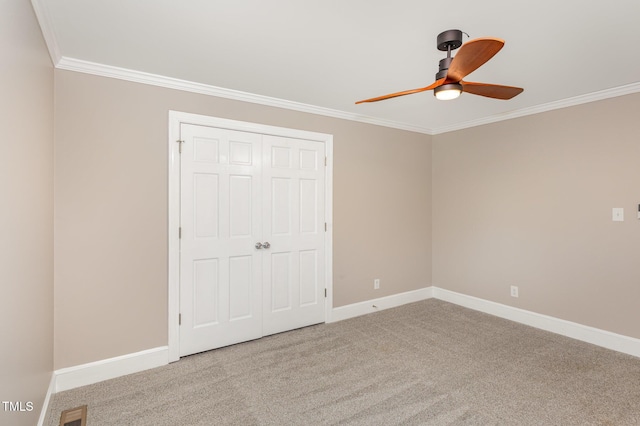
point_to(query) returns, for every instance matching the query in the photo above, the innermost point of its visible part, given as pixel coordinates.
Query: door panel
(206, 198)
(308, 277)
(220, 282)
(308, 206)
(280, 281)
(241, 284)
(281, 211)
(240, 206)
(205, 294)
(293, 204)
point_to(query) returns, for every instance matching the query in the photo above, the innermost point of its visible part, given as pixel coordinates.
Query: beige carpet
(427, 363)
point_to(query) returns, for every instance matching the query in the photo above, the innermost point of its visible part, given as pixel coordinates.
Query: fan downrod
(447, 41)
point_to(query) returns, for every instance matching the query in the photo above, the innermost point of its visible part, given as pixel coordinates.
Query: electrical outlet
(617, 214)
(376, 284)
(514, 291)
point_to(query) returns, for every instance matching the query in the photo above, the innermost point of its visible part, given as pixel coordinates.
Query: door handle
(258, 246)
(266, 244)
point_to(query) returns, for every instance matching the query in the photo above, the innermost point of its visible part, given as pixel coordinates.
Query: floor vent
(74, 417)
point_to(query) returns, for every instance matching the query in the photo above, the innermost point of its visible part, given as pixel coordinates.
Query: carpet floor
(425, 363)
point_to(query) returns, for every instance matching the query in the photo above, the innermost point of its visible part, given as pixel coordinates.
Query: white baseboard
(93, 372)
(45, 404)
(595, 336)
(374, 305)
(86, 374)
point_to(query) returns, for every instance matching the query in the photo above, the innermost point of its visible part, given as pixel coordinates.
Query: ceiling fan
(449, 83)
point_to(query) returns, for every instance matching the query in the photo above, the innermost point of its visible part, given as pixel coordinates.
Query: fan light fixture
(446, 92)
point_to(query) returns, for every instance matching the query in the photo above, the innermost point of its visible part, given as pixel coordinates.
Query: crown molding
(109, 71)
(563, 103)
(71, 64)
(44, 20)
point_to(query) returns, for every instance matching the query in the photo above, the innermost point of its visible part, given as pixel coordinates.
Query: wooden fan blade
(471, 56)
(495, 91)
(435, 84)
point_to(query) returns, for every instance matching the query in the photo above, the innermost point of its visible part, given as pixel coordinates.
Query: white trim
(175, 119)
(382, 303)
(605, 339)
(45, 404)
(173, 249)
(86, 374)
(46, 26)
(78, 65)
(550, 106)
(109, 71)
(93, 372)
(328, 236)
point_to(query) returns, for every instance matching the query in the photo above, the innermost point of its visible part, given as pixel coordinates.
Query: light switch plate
(618, 214)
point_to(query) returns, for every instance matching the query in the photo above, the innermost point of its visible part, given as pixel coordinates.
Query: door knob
(258, 246)
(266, 244)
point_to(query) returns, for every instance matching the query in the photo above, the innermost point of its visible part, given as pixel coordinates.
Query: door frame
(176, 118)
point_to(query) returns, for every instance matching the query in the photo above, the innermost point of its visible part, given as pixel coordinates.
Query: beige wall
(527, 202)
(26, 215)
(111, 209)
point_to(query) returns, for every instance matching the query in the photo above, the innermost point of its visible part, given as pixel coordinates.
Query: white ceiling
(331, 53)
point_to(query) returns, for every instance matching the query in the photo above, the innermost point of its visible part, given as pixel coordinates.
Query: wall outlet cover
(617, 214)
(514, 291)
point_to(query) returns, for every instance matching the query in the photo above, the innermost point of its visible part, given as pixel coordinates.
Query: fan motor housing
(443, 66)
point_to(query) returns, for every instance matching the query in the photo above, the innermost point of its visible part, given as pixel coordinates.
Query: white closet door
(293, 203)
(220, 271)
